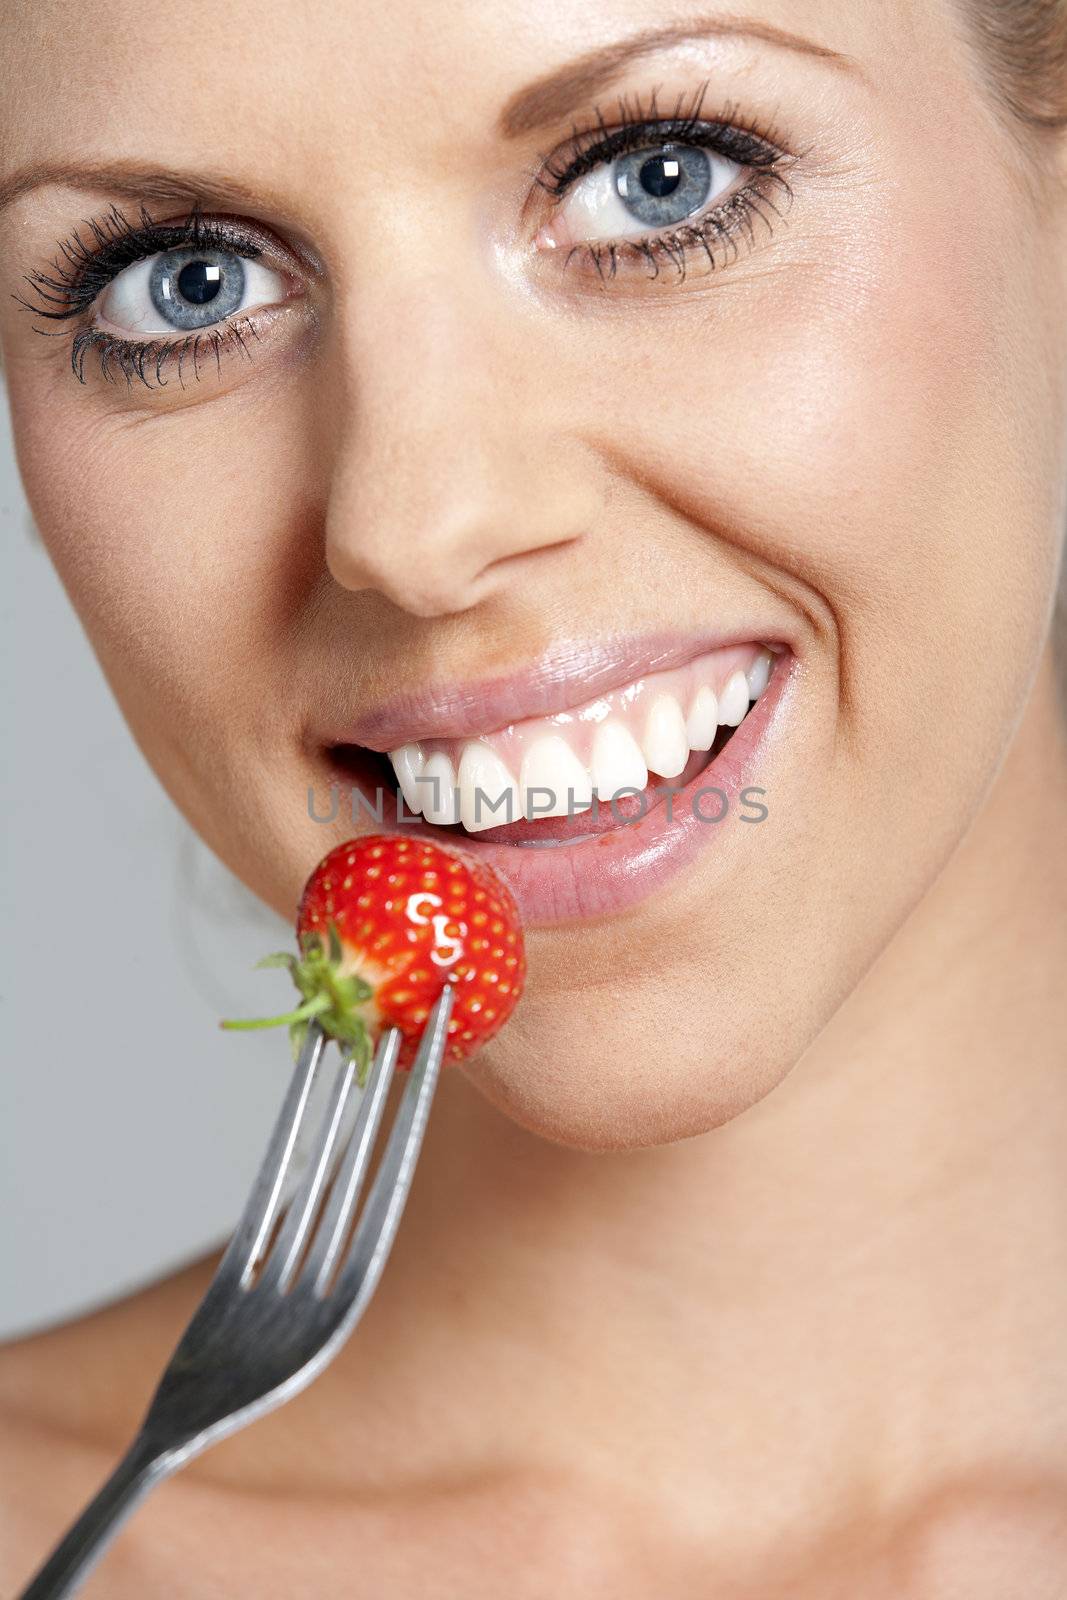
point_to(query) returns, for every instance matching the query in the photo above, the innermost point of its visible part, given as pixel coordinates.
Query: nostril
(427, 577)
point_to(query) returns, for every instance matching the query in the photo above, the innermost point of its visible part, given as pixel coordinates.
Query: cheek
(876, 423)
(879, 435)
(188, 545)
(179, 541)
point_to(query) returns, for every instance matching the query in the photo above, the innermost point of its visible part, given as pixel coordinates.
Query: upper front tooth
(496, 801)
(733, 702)
(665, 743)
(408, 761)
(702, 724)
(439, 799)
(617, 762)
(550, 763)
(758, 673)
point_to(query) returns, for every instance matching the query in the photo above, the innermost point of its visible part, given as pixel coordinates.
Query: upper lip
(566, 676)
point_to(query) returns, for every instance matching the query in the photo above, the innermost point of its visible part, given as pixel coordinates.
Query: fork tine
(353, 1169)
(377, 1226)
(282, 1259)
(261, 1207)
(243, 1354)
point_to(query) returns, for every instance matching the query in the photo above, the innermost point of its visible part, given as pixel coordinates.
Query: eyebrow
(558, 93)
(133, 180)
(539, 105)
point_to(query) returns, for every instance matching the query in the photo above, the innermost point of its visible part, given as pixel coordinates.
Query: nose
(448, 463)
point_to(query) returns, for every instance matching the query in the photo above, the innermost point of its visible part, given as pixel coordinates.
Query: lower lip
(623, 865)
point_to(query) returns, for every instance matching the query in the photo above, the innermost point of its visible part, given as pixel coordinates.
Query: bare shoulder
(195, 1539)
(51, 1467)
(189, 1540)
(995, 1535)
(41, 1480)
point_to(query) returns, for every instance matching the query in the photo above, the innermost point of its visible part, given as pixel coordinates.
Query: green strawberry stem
(333, 997)
(321, 1002)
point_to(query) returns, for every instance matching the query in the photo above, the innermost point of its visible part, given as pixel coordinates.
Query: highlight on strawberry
(384, 922)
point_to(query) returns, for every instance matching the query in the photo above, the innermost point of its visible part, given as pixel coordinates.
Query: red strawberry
(401, 917)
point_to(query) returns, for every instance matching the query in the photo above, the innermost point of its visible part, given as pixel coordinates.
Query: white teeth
(665, 744)
(617, 762)
(486, 795)
(408, 762)
(733, 702)
(497, 803)
(758, 673)
(702, 724)
(439, 799)
(550, 763)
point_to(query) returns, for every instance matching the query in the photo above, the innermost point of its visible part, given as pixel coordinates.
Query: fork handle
(70, 1563)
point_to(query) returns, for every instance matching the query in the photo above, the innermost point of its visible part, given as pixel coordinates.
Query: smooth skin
(774, 1310)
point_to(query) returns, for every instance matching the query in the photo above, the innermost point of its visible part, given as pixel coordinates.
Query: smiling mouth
(568, 777)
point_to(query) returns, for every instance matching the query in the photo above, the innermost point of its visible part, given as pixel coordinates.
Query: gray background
(128, 1134)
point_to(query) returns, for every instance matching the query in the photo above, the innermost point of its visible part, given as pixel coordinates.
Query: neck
(764, 1320)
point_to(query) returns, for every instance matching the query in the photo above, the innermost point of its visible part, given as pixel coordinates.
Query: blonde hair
(1022, 45)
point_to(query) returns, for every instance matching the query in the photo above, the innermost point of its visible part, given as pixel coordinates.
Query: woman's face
(437, 472)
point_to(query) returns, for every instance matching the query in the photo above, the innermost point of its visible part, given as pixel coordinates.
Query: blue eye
(182, 290)
(644, 191)
(155, 292)
(654, 188)
(664, 187)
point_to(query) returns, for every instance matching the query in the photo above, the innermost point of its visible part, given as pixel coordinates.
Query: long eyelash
(132, 356)
(85, 271)
(638, 126)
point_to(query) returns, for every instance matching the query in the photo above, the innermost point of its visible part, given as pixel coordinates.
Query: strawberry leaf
(281, 958)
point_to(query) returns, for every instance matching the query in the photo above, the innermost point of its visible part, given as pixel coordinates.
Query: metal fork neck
(140, 1469)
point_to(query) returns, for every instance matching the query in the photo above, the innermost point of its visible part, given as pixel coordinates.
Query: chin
(611, 1111)
(613, 896)
(576, 1077)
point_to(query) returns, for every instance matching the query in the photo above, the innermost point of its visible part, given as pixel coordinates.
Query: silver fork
(260, 1336)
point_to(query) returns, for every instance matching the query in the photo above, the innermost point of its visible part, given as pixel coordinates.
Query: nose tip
(427, 576)
(450, 463)
(441, 529)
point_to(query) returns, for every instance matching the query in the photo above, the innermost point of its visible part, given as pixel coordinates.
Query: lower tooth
(551, 844)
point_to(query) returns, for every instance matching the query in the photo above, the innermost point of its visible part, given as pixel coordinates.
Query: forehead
(298, 84)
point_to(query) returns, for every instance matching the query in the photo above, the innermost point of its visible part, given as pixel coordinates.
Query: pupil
(661, 175)
(199, 281)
